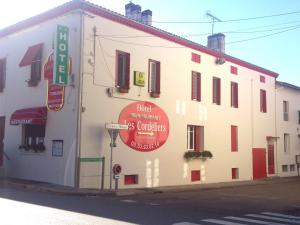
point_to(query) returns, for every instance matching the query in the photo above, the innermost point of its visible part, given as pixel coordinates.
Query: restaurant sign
(148, 126)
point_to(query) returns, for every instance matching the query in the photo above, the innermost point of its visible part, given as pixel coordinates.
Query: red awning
(36, 116)
(31, 53)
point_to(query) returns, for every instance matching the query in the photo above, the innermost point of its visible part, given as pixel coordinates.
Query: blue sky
(278, 53)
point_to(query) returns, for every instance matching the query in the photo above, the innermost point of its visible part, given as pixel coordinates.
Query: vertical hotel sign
(61, 56)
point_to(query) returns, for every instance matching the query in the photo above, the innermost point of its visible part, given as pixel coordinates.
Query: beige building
(177, 97)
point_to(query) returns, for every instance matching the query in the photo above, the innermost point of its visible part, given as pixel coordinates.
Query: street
(274, 203)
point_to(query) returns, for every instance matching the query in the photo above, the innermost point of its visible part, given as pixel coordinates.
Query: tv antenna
(213, 20)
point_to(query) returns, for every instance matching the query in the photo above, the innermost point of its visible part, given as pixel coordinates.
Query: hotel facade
(188, 114)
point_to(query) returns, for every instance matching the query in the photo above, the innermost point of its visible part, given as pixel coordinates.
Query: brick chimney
(133, 11)
(216, 42)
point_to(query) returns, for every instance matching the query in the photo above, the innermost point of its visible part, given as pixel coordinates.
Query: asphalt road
(232, 206)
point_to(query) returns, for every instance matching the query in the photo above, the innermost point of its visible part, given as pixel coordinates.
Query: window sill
(154, 94)
(32, 83)
(123, 90)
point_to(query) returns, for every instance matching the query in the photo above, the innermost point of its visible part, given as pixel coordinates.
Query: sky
(277, 51)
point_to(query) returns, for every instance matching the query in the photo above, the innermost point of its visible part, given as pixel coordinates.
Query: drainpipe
(79, 102)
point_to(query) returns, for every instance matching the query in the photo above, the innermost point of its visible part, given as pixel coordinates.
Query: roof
(287, 85)
(108, 14)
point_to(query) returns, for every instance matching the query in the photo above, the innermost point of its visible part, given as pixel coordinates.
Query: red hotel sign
(55, 93)
(148, 126)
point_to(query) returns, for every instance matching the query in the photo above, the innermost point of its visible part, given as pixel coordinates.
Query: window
(298, 117)
(234, 138)
(131, 179)
(262, 79)
(196, 58)
(33, 57)
(263, 101)
(217, 90)
(154, 78)
(33, 135)
(285, 110)
(233, 70)
(234, 95)
(235, 173)
(195, 138)
(36, 70)
(286, 140)
(123, 71)
(284, 168)
(292, 167)
(195, 175)
(196, 86)
(2, 74)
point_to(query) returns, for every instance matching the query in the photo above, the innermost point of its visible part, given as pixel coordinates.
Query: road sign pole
(111, 161)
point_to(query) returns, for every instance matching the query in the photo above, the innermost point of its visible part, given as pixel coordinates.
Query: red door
(2, 124)
(259, 163)
(271, 167)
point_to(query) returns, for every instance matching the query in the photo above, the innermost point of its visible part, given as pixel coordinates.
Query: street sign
(116, 126)
(113, 133)
(117, 169)
(61, 56)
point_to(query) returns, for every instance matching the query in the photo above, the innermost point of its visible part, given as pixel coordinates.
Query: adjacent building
(69, 75)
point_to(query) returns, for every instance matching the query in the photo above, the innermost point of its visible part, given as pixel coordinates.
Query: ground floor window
(33, 137)
(284, 168)
(195, 175)
(131, 179)
(235, 173)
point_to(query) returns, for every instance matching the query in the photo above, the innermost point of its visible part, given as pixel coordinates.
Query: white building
(176, 96)
(288, 128)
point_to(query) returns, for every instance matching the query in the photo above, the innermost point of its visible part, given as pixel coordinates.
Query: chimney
(147, 17)
(216, 42)
(133, 11)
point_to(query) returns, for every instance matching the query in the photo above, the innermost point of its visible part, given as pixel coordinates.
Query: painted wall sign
(61, 55)
(139, 79)
(148, 126)
(55, 93)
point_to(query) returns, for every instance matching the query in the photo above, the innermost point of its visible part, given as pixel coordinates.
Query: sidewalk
(63, 190)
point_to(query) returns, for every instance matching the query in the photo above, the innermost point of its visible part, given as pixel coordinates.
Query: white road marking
(252, 220)
(186, 223)
(282, 215)
(274, 218)
(221, 222)
(128, 201)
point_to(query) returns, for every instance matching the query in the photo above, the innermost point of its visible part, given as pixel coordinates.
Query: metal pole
(103, 173)
(111, 161)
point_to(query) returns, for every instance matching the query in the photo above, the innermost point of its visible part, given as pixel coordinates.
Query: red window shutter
(236, 92)
(197, 138)
(219, 91)
(193, 85)
(199, 87)
(127, 74)
(158, 77)
(263, 101)
(196, 58)
(234, 146)
(195, 175)
(262, 79)
(234, 173)
(130, 179)
(234, 70)
(2, 74)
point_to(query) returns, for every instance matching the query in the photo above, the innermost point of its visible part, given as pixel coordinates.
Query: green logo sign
(61, 56)
(139, 79)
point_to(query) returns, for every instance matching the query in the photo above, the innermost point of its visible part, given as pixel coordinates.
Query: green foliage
(197, 155)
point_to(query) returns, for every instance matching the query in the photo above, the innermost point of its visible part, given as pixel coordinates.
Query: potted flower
(188, 155)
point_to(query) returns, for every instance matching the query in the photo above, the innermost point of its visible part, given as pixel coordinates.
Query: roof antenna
(213, 20)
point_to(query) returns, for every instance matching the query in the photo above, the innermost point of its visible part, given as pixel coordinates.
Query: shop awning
(37, 116)
(31, 53)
